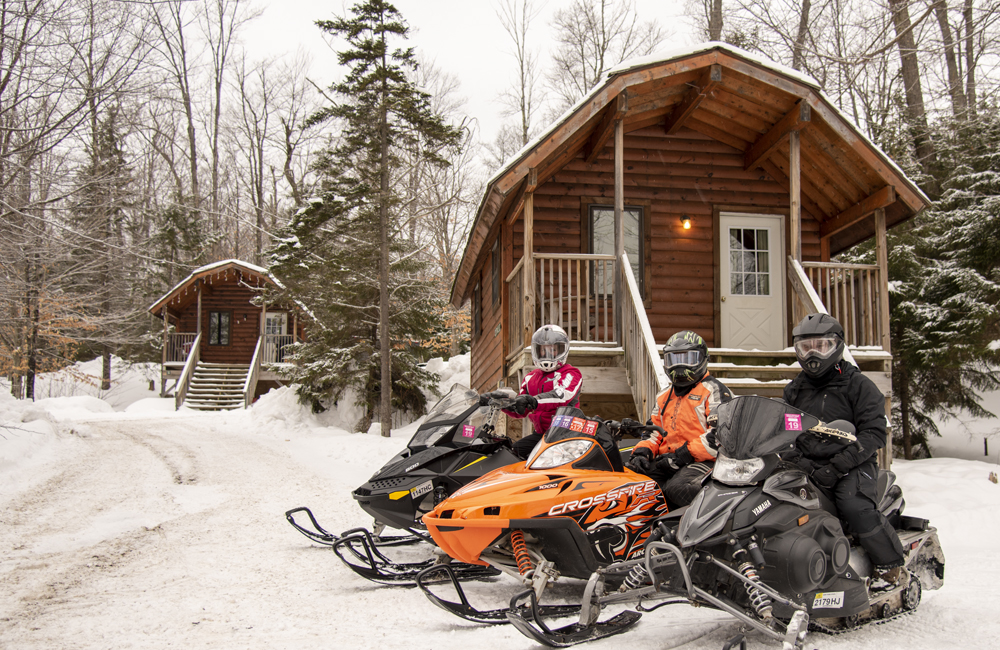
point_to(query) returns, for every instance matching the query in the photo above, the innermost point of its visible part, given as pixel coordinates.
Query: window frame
(229, 327)
(495, 269)
(588, 203)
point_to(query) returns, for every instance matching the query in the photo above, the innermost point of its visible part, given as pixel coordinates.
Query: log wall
(684, 175)
(487, 347)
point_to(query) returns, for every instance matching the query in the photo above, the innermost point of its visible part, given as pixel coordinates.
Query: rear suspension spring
(760, 601)
(520, 552)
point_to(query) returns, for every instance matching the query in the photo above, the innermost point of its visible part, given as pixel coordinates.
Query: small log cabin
(707, 190)
(220, 349)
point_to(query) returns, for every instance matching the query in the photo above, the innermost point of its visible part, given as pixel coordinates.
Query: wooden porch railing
(643, 367)
(274, 347)
(575, 292)
(250, 385)
(193, 357)
(850, 293)
(178, 346)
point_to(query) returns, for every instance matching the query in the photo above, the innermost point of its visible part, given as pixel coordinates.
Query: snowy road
(169, 533)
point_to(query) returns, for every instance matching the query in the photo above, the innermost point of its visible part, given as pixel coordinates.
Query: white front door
(275, 323)
(752, 301)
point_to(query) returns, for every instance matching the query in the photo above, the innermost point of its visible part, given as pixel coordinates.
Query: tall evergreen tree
(329, 259)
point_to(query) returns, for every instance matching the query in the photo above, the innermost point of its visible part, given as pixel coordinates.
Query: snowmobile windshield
(752, 427)
(569, 422)
(456, 402)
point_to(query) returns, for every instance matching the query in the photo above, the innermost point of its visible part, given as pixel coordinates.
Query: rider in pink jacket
(552, 384)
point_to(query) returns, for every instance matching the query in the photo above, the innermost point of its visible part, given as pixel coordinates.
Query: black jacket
(842, 394)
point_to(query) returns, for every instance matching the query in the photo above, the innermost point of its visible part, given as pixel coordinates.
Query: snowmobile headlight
(561, 453)
(736, 472)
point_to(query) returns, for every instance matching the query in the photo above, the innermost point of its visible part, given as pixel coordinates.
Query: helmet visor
(817, 347)
(549, 350)
(686, 358)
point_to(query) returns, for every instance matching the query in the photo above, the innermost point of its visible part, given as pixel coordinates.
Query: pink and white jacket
(552, 390)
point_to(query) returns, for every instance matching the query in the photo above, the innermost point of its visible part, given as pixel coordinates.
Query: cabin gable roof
(180, 295)
(737, 98)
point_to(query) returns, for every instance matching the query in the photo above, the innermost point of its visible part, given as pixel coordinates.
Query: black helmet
(685, 358)
(819, 344)
(549, 347)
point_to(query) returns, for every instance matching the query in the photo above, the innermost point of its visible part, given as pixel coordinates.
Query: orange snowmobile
(568, 510)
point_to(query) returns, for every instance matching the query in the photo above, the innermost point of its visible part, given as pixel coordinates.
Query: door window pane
(749, 266)
(602, 242)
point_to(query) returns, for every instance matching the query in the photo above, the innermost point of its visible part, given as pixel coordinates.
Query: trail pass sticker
(468, 431)
(793, 422)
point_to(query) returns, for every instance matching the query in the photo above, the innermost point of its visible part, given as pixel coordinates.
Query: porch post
(163, 364)
(295, 326)
(882, 259)
(795, 209)
(197, 286)
(619, 222)
(529, 259)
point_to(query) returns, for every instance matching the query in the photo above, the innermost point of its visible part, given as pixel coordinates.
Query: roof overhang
(661, 87)
(209, 270)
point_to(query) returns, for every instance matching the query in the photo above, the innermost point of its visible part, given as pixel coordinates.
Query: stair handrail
(193, 357)
(643, 368)
(806, 293)
(250, 385)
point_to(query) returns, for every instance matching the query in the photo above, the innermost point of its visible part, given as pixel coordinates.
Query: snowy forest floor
(154, 529)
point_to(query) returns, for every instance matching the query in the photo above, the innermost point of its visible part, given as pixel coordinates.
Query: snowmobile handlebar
(627, 425)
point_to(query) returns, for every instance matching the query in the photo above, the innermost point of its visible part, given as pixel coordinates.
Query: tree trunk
(385, 410)
(970, 59)
(916, 113)
(715, 21)
(798, 52)
(958, 105)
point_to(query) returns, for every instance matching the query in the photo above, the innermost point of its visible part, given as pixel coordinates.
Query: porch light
(686, 222)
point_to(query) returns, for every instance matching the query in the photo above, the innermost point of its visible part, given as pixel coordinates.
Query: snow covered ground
(125, 524)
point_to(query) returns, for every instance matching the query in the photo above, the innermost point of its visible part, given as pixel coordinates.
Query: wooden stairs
(217, 387)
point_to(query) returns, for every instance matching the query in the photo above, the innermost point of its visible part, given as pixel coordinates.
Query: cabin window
(496, 272)
(602, 242)
(477, 310)
(219, 323)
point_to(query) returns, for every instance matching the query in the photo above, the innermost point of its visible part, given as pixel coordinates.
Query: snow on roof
(253, 268)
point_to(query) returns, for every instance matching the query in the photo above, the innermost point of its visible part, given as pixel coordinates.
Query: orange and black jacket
(685, 419)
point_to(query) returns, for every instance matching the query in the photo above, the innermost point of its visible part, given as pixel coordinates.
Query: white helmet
(549, 347)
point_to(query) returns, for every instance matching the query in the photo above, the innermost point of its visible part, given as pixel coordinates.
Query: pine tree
(944, 292)
(345, 257)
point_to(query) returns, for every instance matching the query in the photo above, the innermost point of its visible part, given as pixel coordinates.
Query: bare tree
(256, 106)
(591, 37)
(519, 98)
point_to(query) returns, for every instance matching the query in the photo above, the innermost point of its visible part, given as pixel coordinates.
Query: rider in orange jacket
(680, 459)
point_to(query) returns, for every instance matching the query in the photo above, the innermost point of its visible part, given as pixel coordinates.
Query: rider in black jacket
(833, 389)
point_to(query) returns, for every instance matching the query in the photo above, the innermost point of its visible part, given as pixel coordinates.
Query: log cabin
(707, 189)
(220, 349)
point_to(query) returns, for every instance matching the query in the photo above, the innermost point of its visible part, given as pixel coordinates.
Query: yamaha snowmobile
(455, 445)
(568, 510)
(761, 542)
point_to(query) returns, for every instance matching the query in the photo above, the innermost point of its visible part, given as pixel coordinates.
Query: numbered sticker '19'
(468, 431)
(793, 422)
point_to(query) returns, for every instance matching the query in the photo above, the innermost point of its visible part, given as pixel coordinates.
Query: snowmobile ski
(358, 549)
(440, 572)
(568, 635)
(322, 536)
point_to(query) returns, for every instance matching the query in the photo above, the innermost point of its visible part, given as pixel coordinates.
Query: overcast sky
(461, 37)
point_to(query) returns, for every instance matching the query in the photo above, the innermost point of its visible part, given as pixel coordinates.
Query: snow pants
(680, 486)
(855, 496)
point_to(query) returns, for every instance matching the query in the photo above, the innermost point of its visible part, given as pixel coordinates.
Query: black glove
(825, 476)
(524, 404)
(676, 459)
(484, 399)
(807, 465)
(641, 461)
(710, 438)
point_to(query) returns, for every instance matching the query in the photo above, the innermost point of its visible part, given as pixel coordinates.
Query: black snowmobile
(760, 542)
(452, 447)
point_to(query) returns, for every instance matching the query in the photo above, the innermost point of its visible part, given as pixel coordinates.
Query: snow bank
(129, 382)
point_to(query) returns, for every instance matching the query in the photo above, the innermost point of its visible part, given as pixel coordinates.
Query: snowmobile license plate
(828, 600)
